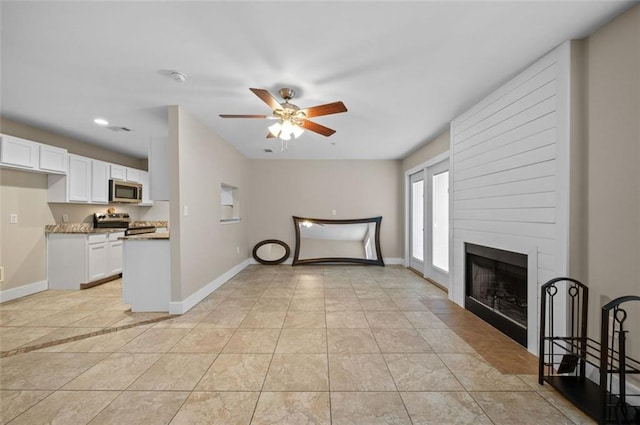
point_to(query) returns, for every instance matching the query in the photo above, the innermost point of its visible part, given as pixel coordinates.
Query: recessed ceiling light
(101, 121)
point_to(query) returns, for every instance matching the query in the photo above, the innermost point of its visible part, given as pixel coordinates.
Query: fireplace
(496, 289)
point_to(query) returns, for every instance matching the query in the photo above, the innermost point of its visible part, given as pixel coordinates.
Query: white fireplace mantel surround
(509, 177)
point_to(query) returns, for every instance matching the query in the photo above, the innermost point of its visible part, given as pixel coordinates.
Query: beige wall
(23, 252)
(613, 185)
(281, 189)
(202, 248)
(74, 146)
(432, 149)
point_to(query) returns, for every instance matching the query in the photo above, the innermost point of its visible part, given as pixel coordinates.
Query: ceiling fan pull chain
(284, 146)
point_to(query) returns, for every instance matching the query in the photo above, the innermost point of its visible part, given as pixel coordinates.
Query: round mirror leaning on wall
(271, 252)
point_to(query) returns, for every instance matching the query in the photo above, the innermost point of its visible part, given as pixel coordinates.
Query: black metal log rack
(595, 376)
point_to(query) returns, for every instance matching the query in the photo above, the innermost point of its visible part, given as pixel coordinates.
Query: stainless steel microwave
(125, 192)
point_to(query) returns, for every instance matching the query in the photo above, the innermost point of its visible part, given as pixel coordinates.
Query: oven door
(125, 192)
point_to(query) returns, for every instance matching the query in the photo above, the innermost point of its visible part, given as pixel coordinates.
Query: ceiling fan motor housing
(287, 93)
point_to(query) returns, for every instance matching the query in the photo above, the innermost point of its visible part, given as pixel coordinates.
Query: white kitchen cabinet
(32, 156)
(115, 253)
(146, 189)
(133, 175)
(75, 260)
(79, 178)
(18, 152)
(118, 172)
(53, 159)
(99, 182)
(159, 169)
(97, 260)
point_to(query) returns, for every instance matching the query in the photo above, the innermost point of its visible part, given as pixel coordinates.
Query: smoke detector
(177, 76)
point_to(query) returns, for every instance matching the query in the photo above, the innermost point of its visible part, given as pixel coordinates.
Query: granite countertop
(155, 223)
(147, 236)
(88, 227)
(77, 228)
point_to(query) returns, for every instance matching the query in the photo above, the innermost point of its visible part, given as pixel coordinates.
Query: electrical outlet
(333, 212)
(65, 218)
(13, 218)
(1, 274)
(237, 250)
(185, 210)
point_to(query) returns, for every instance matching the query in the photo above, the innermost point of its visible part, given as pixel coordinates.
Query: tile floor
(51, 316)
(275, 345)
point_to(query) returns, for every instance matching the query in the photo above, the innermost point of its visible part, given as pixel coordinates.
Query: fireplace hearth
(496, 289)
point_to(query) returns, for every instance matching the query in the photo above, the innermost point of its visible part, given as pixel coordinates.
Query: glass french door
(416, 220)
(429, 222)
(437, 223)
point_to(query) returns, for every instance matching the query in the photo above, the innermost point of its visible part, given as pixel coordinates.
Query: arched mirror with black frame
(337, 241)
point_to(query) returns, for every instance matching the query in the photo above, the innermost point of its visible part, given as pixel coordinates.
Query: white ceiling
(403, 69)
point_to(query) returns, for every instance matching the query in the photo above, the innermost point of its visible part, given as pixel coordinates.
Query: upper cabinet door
(18, 152)
(133, 175)
(99, 182)
(146, 189)
(118, 172)
(79, 178)
(53, 159)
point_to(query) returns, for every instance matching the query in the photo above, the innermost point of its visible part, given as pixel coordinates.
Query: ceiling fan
(292, 120)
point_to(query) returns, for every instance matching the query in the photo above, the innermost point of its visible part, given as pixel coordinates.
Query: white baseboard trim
(23, 291)
(394, 261)
(181, 307)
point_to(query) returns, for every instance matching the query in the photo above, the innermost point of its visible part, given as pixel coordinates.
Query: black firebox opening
(496, 289)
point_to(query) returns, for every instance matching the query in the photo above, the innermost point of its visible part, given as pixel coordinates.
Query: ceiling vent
(178, 76)
(268, 150)
(118, 129)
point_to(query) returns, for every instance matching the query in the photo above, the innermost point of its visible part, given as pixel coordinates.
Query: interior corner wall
(612, 99)
(202, 248)
(437, 146)
(281, 189)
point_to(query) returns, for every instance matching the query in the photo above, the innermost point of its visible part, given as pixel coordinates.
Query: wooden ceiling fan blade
(270, 135)
(267, 98)
(242, 116)
(328, 109)
(317, 128)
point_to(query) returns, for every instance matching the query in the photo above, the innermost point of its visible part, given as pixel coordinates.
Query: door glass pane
(441, 221)
(417, 220)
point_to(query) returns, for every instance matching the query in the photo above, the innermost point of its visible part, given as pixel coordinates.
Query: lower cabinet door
(98, 261)
(115, 257)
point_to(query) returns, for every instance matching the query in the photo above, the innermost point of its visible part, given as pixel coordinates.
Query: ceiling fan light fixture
(287, 127)
(297, 131)
(275, 129)
(285, 136)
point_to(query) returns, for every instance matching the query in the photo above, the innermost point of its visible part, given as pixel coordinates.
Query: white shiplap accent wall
(510, 176)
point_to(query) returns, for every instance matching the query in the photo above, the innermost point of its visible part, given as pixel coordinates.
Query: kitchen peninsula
(146, 272)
